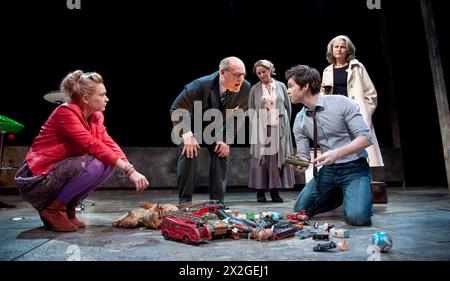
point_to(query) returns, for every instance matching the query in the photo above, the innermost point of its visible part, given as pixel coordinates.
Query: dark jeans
(347, 184)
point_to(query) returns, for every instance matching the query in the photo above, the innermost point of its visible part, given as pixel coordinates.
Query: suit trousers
(187, 173)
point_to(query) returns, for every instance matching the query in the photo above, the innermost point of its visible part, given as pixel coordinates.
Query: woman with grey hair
(271, 140)
(347, 76)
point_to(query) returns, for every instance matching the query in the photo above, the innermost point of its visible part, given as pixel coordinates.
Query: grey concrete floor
(418, 220)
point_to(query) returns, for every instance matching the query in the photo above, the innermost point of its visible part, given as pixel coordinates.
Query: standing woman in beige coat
(347, 76)
(270, 133)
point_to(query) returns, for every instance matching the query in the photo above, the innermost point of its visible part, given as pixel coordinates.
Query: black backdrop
(148, 50)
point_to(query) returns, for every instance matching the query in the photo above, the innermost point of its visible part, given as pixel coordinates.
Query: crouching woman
(72, 155)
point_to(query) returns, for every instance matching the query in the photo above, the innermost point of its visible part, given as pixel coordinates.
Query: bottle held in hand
(327, 89)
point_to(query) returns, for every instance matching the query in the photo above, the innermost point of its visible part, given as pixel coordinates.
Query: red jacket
(67, 134)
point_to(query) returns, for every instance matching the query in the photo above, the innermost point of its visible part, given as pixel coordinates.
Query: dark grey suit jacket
(206, 90)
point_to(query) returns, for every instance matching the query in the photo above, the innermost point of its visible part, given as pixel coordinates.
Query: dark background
(147, 51)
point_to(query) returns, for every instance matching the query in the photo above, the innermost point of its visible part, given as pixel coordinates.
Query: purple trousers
(70, 180)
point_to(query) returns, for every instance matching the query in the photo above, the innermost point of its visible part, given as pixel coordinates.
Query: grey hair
(229, 61)
(265, 63)
(351, 49)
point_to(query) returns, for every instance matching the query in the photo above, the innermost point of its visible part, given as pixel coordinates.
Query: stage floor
(418, 219)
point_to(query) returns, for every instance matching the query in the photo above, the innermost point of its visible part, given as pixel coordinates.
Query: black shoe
(5, 205)
(261, 196)
(275, 196)
(184, 201)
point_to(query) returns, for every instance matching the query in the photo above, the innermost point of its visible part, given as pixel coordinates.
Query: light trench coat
(361, 89)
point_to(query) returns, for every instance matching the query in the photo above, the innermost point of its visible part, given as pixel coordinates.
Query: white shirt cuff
(186, 136)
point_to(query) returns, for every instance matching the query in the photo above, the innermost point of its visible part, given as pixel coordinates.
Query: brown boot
(55, 217)
(71, 214)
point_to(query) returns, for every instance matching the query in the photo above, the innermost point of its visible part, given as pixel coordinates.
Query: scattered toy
(340, 232)
(343, 245)
(382, 240)
(184, 229)
(324, 247)
(327, 226)
(320, 236)
(261, 234)
(151, 217)
(303, 234)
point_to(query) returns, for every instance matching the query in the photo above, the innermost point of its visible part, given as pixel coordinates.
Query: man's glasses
(237, 74)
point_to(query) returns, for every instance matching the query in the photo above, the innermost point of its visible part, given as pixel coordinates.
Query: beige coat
(361, 89)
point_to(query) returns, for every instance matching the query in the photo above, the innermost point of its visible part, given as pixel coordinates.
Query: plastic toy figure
(383, 240)
(343, 245)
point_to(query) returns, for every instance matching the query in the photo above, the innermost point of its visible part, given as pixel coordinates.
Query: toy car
(300, 216)
(282, 230)
(212, 208)
(303, 234)
(219, 229)
(340, 232)
(320, 236)
(190, 231)
(324, 247)
(279, 234)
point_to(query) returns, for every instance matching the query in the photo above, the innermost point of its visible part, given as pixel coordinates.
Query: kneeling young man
(334, 123)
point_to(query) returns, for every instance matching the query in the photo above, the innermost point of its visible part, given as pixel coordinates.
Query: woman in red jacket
(72, 155)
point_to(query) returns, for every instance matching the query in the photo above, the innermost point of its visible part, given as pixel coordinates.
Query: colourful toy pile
(205, 221)
(212, 221)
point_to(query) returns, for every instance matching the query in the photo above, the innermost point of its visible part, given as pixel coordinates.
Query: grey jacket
(284, 128)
